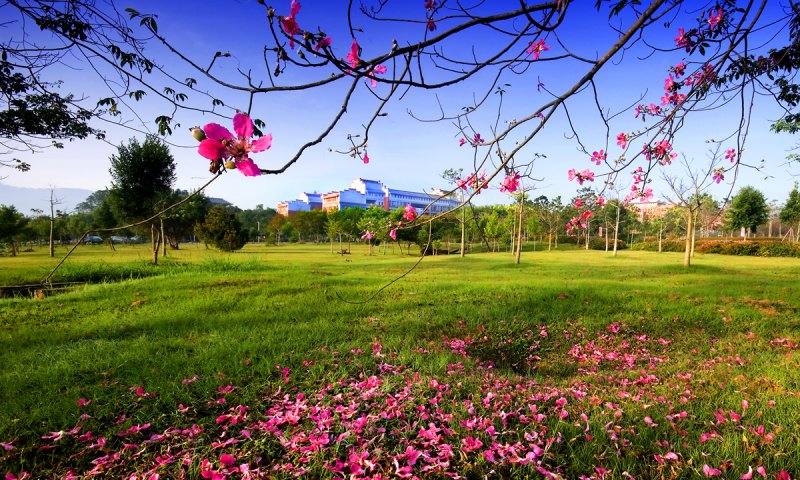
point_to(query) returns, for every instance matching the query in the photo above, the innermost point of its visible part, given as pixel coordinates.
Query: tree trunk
(687, 253)
(163, 238)
(660, 236)
(463, 229)
(616, 233)
(694, 222)
(52, 228)
(156, 242)
(519, 231)
(588, 232)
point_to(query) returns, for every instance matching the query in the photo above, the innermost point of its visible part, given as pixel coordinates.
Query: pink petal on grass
(227, 459)
(262, 143)
(242, 125)
(248, 168)
(211, 149)
(215, 131)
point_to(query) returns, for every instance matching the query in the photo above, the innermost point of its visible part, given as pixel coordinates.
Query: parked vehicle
(119, 239)
(93, 240)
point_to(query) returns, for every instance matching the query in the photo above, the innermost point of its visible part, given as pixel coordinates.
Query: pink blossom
(409, 212)
(470, 444)
(582, 176)
(684, 40)
(352, 55)
(622, 140)
(367, 235)
(536, 48)
(714, 19)
(601, 201)
(748, 475)
(461, 142)
(730, 155)
(378, 70)
(431, 25)
(599, 157)
(220, 143)
(578, 202)
(323, 43)
(365, 158)
(393, 234)
(227, 460)
(510, 183)
(430, 4)
(289, 24)
(679, 69)
(719, 175)
(248, 168)
(711, 472)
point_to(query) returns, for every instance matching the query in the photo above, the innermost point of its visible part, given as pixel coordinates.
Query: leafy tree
(222, 230)
(791, 211)
(33, 111)
(142, 177)
(179, 223)
(275, 226)
(748, 210)
(12, 227)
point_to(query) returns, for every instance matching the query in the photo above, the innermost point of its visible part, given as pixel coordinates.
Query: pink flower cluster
(473, 181)
(585, 175)
(219, 144)
(510, 184)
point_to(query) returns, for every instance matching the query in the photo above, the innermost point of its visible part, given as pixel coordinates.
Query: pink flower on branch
(367, 235)
(585, 175)
(714, 19)
(536, 48)
(352, 55)
(622, 140)
(599, 157)
(289, 24)
(409, 212)
(510, 184)
(377, 70)
(221, 144)
(323, 43)
(719, 175)
(730, 155)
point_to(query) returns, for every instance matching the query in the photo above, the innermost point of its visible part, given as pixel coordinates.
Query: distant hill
(25, 198)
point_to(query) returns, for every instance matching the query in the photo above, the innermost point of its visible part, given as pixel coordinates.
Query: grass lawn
(270, 362)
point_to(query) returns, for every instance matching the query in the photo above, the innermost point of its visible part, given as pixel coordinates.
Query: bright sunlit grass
(628, 342)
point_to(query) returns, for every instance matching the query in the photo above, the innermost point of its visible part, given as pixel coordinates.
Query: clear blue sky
(404, 153)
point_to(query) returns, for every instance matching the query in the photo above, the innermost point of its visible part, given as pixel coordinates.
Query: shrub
(222, 229)
(778, 249)
(729, 247)
(666, 246)
(600, 244)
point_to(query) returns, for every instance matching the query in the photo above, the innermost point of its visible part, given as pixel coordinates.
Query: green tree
(142, 176)
(790, 213)
(222, 230)
(748, 210)
(12, 227)
(179, 223)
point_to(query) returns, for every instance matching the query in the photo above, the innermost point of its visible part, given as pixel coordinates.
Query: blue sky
(404, 152)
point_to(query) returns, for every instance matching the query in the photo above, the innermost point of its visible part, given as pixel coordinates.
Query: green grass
(240, 318)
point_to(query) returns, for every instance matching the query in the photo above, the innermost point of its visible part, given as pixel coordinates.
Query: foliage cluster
(750, 248)
(222, 229)
(666, 246)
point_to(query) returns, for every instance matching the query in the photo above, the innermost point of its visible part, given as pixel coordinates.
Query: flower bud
(230, 165)
(198, 133)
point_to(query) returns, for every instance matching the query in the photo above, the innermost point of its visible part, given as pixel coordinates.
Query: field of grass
(268, 362)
